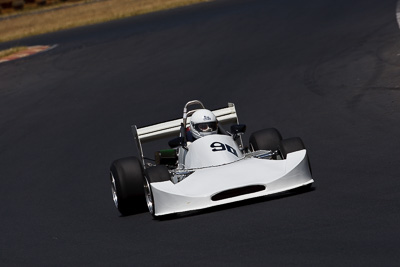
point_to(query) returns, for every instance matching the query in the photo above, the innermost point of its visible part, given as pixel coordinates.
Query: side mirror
(238, 129)
(178, 141)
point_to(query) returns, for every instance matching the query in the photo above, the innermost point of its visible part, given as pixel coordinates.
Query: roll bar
(172, 128)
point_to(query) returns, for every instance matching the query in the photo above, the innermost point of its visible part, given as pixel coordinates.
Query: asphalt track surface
(327, 71)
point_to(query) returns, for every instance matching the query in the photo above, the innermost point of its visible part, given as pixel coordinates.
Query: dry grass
(11, 51)
(78, 15)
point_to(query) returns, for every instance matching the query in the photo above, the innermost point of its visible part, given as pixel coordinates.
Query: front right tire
(126, 177)
(154, 174)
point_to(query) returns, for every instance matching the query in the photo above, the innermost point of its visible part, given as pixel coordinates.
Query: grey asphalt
(324, 70)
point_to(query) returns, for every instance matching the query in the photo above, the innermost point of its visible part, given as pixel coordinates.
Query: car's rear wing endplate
(172, 128)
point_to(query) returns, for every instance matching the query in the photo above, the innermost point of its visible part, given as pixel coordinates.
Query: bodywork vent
(238, 192)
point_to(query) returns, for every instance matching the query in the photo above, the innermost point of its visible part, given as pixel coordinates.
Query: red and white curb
(30, 50)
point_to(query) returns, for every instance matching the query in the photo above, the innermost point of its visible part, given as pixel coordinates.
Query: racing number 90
(217, 146)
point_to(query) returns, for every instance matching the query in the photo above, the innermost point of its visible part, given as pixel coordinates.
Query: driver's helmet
(202, 123)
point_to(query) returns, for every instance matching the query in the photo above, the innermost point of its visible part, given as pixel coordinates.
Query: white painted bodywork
(200, 153)
(216, 164)
(195, 191)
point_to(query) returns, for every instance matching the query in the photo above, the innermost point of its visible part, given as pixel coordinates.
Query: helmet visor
(206, 127)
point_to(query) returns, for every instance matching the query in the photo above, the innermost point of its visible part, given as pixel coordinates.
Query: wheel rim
(114, 190)
(149, 196)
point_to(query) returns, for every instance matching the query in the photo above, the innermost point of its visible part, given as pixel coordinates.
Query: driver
(202, 123)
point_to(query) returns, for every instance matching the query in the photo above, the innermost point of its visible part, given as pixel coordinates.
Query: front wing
(244, 179)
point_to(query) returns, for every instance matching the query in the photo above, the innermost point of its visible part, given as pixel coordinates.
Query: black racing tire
(290, 145)
(154, 174)
(126, 176)
(267, 139)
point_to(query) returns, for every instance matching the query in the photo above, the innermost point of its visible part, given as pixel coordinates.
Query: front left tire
(266, 139)
(291, 145)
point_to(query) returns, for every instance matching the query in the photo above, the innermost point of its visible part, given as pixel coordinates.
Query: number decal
(231, 149)
(217, 146)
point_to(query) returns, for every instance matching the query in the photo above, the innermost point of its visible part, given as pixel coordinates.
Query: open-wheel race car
(206, 165)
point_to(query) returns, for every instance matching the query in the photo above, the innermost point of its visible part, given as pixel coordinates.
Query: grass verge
(88, 12)
(11, 51)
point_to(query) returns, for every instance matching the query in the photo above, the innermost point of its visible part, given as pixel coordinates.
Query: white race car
(213, 170)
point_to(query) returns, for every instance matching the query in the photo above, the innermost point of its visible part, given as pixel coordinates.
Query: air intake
(238, 192)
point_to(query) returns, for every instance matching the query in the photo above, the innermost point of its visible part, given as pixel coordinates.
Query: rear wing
(172, 128)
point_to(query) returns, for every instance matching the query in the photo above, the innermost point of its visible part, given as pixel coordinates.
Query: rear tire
(126, 176)
(154, 174)
(267, 139)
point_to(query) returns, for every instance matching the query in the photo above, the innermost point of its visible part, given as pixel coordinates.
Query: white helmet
(202, 123)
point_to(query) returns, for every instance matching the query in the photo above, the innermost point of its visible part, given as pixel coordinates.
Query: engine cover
(212, 150)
